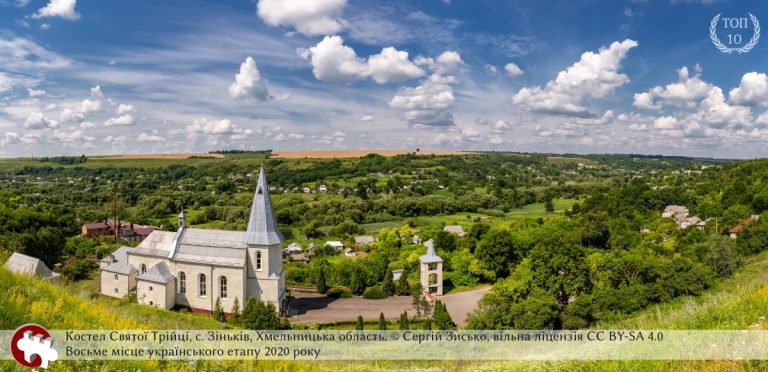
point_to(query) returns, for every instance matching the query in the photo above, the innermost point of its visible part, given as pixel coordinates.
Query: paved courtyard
(317, 308)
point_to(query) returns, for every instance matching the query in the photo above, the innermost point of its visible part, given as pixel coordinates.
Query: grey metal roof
(456, 229)
(120, 268)
(160, 273)
(26, 265)
(157, 244)
(364, 239)
(223, 256)
(213, 238)
(262, 227)
(121, 265)
(430, 257)
(120, 255)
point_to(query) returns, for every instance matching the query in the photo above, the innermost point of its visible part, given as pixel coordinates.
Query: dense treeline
(617, 255)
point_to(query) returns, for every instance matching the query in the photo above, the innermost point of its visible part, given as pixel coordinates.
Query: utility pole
(114, 213)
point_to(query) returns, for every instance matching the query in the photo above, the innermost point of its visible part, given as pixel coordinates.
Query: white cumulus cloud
(144, 137)
(59, 8)
(126, 119)
(249, 83)
(309, 17)
(392, 65)
(124, 109)
(684, 93)
(37, 120)
(752, 91)
(512, 69)
(428, 104)
(331, 60)
(595, 75)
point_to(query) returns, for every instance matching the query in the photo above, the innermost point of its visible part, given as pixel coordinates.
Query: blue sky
(639, 76)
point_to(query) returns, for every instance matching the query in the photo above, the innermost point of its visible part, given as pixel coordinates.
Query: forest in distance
(565, 240)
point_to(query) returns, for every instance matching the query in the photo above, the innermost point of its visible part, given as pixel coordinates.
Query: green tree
(721, 256)
(404, 324)
(356, 284)
(445, 241)
(427, 325)
(359, 324)
(420, 303)
(441, 317)
(218, 311)
(235, 316)
(322, 281)
(388, 285)
(754, 238)
(594, 229)
(259, 316)
(549, 206)
(382, 322)
(403, 288)
(499, 250)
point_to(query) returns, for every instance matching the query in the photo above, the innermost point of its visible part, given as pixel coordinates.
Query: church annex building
(193, 267)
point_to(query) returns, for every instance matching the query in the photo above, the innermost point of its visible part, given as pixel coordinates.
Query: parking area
(317, 308)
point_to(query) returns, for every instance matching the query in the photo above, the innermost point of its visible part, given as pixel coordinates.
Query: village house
(26, 265)
(454, 229)
(396, 274)
(680, 214)
(299, 257)
(364, 240)
(674, 210)
(293, 248)
(127, 231)
(335, 244)
(192, 268)
(349, 252)
(311, 249)
(692, 221)
(323, 189)
(736, 230)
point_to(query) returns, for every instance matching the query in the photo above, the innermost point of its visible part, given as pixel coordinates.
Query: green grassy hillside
(739, 302)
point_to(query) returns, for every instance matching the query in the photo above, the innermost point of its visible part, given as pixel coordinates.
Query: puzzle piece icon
(36, 345)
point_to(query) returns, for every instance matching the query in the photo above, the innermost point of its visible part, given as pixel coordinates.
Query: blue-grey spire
(262, 227)
(431, 256)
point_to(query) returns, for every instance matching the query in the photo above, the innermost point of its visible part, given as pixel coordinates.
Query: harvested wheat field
(328, 154)
(159, 156)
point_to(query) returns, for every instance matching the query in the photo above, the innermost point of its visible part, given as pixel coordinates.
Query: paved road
(461, 304)
(316, 308)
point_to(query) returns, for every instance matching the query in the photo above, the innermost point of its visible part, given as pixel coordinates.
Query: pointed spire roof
(431, 256)
(262, 227)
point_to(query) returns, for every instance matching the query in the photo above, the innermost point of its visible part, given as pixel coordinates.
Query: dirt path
(316, 308)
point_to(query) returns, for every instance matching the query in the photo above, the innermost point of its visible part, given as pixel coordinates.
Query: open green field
(128, 161)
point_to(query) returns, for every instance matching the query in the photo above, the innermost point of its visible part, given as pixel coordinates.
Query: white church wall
(123, 284)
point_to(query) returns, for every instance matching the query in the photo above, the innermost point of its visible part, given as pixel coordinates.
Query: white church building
(194, 267)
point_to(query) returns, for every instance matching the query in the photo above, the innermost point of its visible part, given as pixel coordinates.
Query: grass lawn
(538, 210)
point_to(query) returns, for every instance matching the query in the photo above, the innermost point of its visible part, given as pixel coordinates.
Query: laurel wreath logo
(746, 48)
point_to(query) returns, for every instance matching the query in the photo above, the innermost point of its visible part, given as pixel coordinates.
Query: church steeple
(262, 227)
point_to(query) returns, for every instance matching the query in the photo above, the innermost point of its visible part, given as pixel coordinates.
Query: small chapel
(192, 268)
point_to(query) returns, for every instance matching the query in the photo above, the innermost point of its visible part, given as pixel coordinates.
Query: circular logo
(19, 334)
(735, 39)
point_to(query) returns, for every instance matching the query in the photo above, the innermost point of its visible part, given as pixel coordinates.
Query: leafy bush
(374, 293)
(339, 293)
